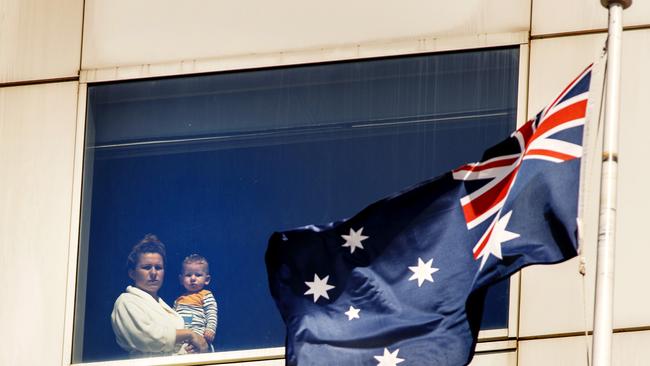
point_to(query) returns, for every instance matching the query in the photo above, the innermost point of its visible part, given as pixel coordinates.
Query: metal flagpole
(602, 339)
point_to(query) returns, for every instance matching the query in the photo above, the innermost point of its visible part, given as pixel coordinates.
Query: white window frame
(496, 340)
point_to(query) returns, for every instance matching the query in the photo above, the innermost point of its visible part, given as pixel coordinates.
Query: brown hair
(149, 244)
(195, 258)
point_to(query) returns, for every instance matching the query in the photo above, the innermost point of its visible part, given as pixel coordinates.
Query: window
(213, 164)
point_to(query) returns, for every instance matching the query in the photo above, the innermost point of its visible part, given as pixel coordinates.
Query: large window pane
(213, 164)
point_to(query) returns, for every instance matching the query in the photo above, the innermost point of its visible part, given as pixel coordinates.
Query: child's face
(194, 277)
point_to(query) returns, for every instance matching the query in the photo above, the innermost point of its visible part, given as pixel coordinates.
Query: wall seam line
(39, 81)
(585, 32)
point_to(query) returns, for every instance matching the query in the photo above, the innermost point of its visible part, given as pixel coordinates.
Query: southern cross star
(318, 287)
(422, 272)
(354, 239)
(389, 359)
(353, 313)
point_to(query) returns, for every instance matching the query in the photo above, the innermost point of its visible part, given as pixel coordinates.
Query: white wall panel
(569, 351)
(506, 358)
(551, 297)
(37, 137)
(39, 39)
(632, 301)
(124, 32)
(557, 16)
(628, 349)
(631, 349)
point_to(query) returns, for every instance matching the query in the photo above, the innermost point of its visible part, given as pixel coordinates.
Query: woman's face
(149, 273)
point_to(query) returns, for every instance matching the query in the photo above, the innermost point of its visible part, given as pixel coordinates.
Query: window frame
(489, 341)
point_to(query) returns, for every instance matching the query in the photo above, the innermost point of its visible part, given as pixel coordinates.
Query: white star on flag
(318, 287)
(354, 240)
(353, 313)
(498, 236)
(422, 272)
(389, 359)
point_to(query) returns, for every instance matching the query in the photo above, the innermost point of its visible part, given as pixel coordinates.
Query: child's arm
(210, 309)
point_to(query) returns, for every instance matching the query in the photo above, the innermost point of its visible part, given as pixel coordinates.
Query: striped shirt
(199, 311)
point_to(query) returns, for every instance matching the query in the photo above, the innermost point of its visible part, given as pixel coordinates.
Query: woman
(143, 323)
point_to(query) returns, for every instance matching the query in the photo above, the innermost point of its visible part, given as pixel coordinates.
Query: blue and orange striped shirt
(199, 311)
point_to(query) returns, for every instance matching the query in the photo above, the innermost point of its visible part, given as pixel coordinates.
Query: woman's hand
(196, 344)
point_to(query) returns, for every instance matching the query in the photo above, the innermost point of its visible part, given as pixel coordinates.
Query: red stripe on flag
(463, 168)
(481, 204)
(551, 153)
(490, 165)
(527, 131)
(569, 113)
(482, 245)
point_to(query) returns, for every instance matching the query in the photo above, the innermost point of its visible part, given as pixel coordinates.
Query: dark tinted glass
(213, 164)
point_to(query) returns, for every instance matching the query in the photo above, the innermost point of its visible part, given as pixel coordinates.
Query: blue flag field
(403, 281)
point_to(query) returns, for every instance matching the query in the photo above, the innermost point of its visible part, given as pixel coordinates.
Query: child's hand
(208, 335)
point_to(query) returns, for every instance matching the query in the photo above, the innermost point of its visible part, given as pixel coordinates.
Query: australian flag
(403, 281)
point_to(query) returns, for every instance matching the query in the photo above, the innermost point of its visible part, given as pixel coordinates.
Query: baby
(197, 306)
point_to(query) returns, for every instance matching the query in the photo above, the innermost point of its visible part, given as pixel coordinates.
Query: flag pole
(603, 313)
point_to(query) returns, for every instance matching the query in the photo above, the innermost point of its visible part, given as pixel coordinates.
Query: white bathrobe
(144, 326)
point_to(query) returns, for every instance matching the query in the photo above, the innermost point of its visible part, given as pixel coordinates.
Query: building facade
(54, 52)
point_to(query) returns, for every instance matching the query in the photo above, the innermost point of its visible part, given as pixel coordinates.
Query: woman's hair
(149, 244)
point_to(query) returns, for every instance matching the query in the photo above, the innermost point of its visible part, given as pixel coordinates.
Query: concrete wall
(50, 48)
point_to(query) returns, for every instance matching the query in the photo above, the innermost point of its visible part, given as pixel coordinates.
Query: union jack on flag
(538, 139)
